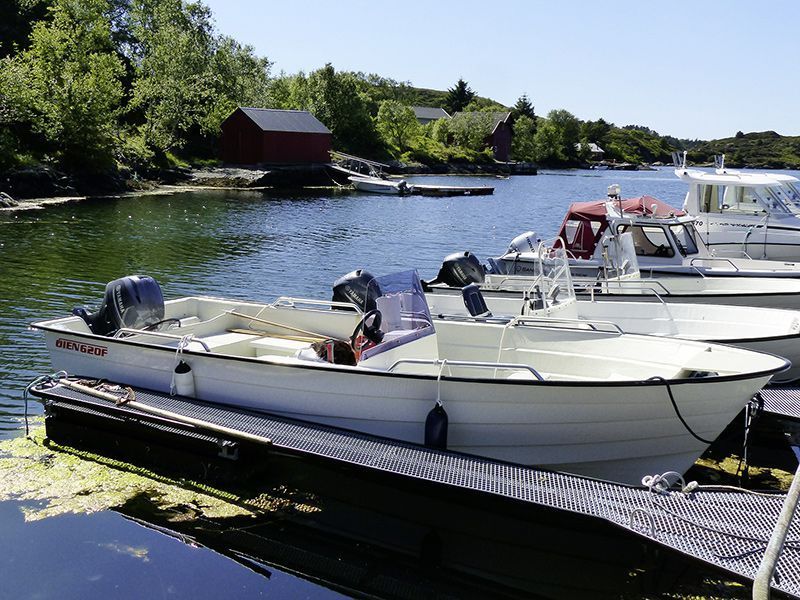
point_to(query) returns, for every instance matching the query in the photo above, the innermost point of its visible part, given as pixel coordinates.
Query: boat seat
(224, 341)
(277, 346)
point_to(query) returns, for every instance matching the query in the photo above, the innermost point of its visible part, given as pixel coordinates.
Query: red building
(262, 135)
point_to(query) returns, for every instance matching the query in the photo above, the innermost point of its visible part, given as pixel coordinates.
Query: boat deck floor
(725, 528)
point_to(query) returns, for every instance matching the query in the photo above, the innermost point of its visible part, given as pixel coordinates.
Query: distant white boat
(376, 185)
(753, 213)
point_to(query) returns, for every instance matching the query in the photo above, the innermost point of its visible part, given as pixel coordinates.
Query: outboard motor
(459, 269)
(134, 302)
(473, 300)
(525, 242)
(358, 287)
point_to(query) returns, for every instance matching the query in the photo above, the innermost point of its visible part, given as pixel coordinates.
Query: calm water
(248, 245)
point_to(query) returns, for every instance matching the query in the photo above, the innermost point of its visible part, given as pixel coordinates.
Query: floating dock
(723, 528)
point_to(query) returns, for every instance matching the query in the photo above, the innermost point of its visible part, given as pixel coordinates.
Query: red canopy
(643, 205)
(589, 220)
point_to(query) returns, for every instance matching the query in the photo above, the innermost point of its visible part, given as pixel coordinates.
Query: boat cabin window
(684, 238)
(710, 197)
(792, 192)
(744, 199)
(649, 240)
(777, 200)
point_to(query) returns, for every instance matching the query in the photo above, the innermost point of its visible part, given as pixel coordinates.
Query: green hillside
(759, 150)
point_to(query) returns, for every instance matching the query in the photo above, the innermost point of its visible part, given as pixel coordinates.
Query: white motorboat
(377, 185)
(591, 401)
(620, 278)
(754, 213)
(665, 241)
(550, 296)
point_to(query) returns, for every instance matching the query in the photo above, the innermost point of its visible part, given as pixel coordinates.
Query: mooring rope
(52, 378)
(659, 485)
(439, 382)
(677, 410)
(182, 344)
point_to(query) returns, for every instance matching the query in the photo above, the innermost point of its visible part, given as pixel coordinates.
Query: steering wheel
(371, 331)
(662, 250)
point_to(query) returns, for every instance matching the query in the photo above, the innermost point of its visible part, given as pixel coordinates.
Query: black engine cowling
(358, 287)
(134, 302)
(460, 269)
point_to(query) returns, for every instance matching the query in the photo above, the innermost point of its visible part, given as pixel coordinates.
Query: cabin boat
(666, 242)
(591, 401)
(551, 297)
(739, 212)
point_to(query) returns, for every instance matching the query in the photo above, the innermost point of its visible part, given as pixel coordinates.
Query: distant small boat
(376, 185)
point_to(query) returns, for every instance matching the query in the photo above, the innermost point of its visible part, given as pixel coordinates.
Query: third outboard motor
(134, 302)
(459, 269)
(525, 242)
(358, 287)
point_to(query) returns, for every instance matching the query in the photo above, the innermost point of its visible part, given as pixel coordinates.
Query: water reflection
(372, 538)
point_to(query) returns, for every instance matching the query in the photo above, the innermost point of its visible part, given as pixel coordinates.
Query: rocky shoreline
(33, 186)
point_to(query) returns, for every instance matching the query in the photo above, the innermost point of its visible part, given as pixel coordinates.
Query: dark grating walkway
(783, 401)
(727, 529)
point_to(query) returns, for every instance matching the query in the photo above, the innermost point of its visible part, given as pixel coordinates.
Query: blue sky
(702, 69)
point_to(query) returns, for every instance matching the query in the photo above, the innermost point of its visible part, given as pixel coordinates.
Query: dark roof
(429, 112)
(269, 119)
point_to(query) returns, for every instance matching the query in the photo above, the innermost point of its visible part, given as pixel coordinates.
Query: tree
(171, 86)
(556, 138)
(596, 131)
(470, 129)
(547, 145)
(67, 84)
(523, 146)
(397, 124)
(523, 107)
(458, 97)
(337, 100)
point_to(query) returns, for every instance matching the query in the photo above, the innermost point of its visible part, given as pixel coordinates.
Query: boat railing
(291, 302)
(170, 336)
(564, 323)
(467, 364)
(644, 287)
(653, 271)
(714, 258)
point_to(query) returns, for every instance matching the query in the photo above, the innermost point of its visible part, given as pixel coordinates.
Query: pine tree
(523, 107)
(458, 97)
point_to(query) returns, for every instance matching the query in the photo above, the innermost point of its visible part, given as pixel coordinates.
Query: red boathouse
(253, 136)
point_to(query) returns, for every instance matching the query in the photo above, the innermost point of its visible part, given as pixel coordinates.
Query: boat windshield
(748, 199)
(552, 279)
(405, 315)
(789, 192)
(685, 238)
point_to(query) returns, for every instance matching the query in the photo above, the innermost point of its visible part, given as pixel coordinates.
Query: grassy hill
(760, 150)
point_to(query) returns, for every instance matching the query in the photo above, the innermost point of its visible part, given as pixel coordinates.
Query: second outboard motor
(459, 269)
(134, 302)
(358, 287)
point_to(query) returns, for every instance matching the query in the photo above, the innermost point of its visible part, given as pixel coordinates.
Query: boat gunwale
(514, 382)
